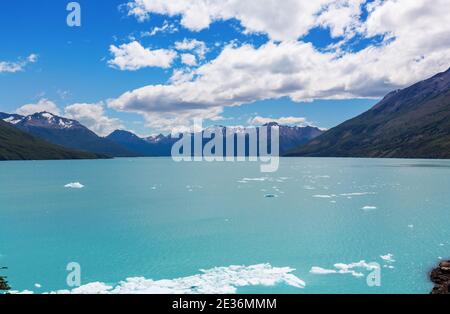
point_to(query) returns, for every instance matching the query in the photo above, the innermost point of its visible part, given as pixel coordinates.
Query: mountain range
(65, 132)
(410, 123)
(73, 135)
(18, 145)
(161, 145)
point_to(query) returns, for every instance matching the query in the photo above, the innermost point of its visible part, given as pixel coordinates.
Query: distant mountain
(18, 145)
(133, 143)
(409, 123)
(11, 118)
(72, 134)
(161, 145)
(294, 136)
(65, 132)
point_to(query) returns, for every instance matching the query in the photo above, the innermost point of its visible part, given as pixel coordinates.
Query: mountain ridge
(18, 145)
(410, 123)
(161, 145)
(65, 132)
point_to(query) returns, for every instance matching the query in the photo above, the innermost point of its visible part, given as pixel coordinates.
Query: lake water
(156, 219)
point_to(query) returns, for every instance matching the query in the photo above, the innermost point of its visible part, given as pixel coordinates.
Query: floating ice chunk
(219, 280)
(348, 268)
(367, 208)
(74, 185)
(323, 196)
(341, 268)
(411, 226)
(38, 285)
(388, 258)
(358, 194)
(92, 288)
(255, 179)
(21, 292)
(322, 271)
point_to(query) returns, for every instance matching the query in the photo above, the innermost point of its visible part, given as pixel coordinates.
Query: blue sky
(75, 65)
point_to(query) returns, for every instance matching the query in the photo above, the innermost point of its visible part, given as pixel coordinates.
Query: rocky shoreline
(3, 283)
(440, 276)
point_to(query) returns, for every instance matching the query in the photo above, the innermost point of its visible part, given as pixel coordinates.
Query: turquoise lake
(157, 219)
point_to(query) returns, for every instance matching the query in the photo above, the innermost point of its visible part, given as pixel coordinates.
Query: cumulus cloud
(41, 106)
(281, 20)
(18, 66)
(281, 121)
(342, 17)
(189, 59)
(416, 45)
(93, 116)
(165, 28)
(133, 56)
(196, 46)
(179, 121)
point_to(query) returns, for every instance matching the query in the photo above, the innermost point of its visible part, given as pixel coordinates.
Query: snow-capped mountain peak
(41, 119)
(50, 120)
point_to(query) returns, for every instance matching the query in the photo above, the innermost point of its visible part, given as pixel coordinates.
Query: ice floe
(219, 280)
(264, 179)
(74, 185)
(323, 196)
(322, 271)
(245, 180)
(388, 258)
(355, 269)
(346, 195)
(367, 208)
(358, 194)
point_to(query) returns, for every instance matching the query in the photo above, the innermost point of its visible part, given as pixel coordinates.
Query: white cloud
(281, 20)
(41, 106)
(196, 46)
(180, 120)
(189, 59)
(181, 76)
(18, 66)
(341, 17)
(281, 121)
(133, 56)
(165, 28)
(93, 116)
(416, 45)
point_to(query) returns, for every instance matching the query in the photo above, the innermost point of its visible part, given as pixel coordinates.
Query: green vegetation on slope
(18, 145)
(410, 123)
